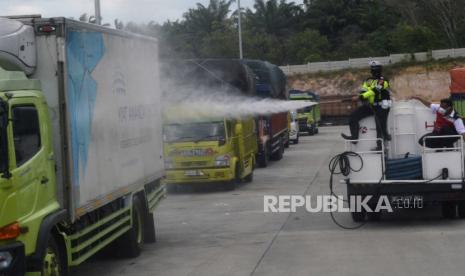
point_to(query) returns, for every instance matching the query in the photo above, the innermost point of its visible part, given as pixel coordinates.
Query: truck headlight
(5, 259)
(222, 161)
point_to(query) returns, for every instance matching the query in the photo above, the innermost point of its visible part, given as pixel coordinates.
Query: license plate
(193, 173)
(407, 202)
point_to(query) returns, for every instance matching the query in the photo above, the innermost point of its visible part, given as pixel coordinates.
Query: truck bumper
(208, 175)
(430, 192)
(17, 265)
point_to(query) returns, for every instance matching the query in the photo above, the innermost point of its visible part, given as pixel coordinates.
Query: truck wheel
(130, 243)
(317, 130)
(54, 263)
(296, 141)
(262, 160)
(231, 185)
(150, 233)
(311, 130)
(286, 145)
(249, 178)
(449, 209)
(278, 155)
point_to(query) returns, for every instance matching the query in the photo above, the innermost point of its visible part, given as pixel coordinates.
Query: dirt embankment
(431, 82)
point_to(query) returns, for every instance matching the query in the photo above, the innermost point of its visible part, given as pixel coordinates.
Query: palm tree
(276, 17)
(204, 19)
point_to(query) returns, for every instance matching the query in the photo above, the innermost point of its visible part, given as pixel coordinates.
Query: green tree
(276, 17)
(307, 46)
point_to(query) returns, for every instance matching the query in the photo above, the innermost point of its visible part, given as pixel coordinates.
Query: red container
(337, 106)
(457, 80)
(278, 123)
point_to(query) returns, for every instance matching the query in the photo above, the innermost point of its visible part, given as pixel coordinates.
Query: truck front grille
(194, 164)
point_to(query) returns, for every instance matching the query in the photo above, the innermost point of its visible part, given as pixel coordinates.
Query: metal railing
(314, 67)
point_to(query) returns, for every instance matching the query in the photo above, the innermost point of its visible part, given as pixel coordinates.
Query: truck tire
(311, 130)
(130, 243)
(231, 185)
(54, 262)
(150, 233)
(286, 145)
(296, 141)
(278, 155)
(449, 209)
(249, 178)
(262, 160)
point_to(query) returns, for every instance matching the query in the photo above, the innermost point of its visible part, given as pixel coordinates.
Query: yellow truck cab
(308, 117)
(213, 150)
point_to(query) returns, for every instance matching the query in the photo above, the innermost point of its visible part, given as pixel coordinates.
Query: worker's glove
(379, 87)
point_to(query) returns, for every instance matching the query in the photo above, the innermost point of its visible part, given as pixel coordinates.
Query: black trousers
(442, 142)
(381, 117)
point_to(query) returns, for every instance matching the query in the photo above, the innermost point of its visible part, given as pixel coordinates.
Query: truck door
(31, 173)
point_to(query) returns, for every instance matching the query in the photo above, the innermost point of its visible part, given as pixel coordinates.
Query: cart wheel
(449, 209)
(358, 216)
(461, 209)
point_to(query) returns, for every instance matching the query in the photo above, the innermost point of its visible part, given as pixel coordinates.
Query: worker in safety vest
(448, 122)
(376, 98)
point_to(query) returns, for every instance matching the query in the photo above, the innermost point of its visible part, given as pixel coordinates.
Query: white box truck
(81, 143)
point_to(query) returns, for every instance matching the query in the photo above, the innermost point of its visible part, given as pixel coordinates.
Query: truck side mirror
(4, 157)
(221, 141)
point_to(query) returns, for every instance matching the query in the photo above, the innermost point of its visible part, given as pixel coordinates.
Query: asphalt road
(213, 232)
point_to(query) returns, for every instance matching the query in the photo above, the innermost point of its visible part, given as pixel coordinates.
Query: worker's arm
(367, 95)
(422, 100)
(459, 127)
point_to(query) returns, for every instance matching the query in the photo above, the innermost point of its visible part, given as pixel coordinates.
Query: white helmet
(375, 63)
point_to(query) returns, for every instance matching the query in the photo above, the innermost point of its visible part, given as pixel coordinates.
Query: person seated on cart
(448, 122)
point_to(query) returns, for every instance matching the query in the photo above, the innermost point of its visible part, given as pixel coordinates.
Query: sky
(126, 10)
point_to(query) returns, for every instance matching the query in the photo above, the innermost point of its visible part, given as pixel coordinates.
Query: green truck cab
(27, 169)
(308, 117)
(210, 151)
(81, 159)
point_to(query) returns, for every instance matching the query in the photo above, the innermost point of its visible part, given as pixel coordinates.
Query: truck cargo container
(273, 129)
(81, 143)
(337, 109)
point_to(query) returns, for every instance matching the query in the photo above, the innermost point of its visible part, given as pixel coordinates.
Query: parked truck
(208, 149)
(213, 150)
(308, 117)
(80, 143)
(273, 129)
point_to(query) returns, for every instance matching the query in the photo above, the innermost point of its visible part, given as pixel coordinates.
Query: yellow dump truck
(210, 151)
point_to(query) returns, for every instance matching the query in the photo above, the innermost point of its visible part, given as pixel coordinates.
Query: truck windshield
(210, 131)
(306, 109)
